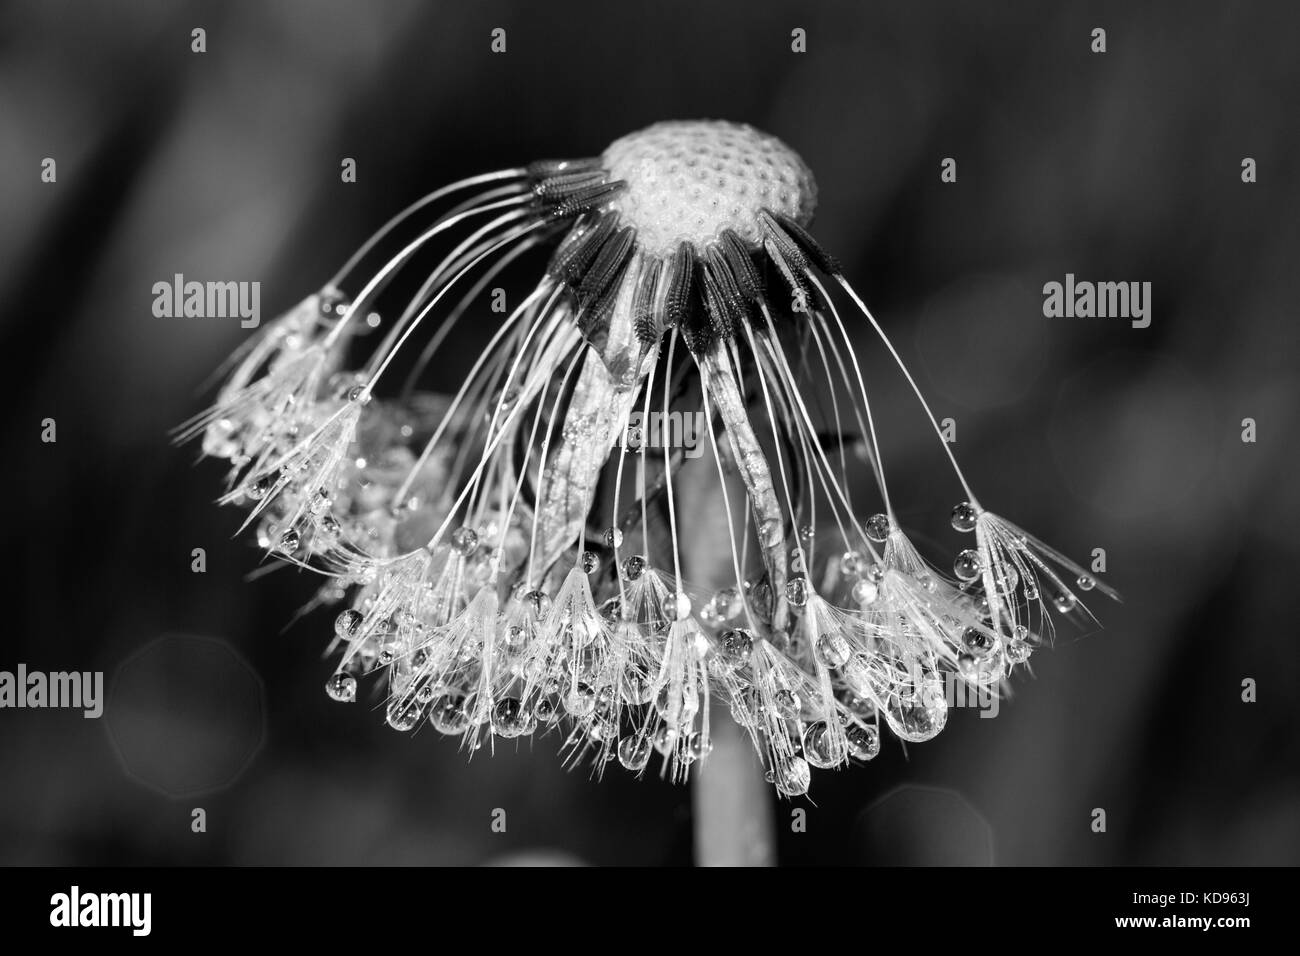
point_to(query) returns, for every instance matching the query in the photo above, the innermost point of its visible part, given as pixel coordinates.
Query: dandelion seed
(511, 552)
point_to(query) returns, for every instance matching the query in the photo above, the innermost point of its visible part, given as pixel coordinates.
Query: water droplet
(677, 606)
(851, 563)
(590, 562)
(878, 528)
(261, 486)
(447, 714)
(634, 567)
(920, 715)
(796, 591)
(677, 706)
(634, 752)
(1018, 651)
(342, 687)
(1031, 591)
(967, 566)
(977, 642)
(403, 715)
(289, 541)
(613, 538)
(787, 703)
(1085, 582)
(737, 645)
(963, 517)
(347, 624)
(580, 700)
(545, 710)
(876, 573)
(665, 739)
(791, 776)
(700, 746)
(832, 650)
(509, 719)
(357, 393)
(989, 668)
(516, 638)
(1065, 602)
(320, 501)
(538, 602)
(864, 742)
(464, 540)
(822, 747)
(864, 592)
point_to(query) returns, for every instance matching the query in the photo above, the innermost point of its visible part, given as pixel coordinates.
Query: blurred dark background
(225, 165)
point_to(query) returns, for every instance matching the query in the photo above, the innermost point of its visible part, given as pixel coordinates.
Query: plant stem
(734, 823)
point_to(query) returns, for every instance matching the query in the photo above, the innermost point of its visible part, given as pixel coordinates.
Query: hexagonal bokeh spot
(186, 714)
(923, 826)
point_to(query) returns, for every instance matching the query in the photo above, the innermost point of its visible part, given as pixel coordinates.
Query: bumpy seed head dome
(688, 181)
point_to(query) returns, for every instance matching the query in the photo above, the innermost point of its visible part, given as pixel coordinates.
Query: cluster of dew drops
(729, 651)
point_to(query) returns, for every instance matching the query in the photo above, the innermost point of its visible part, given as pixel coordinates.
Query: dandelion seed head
(690, 181)
(506, 556)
